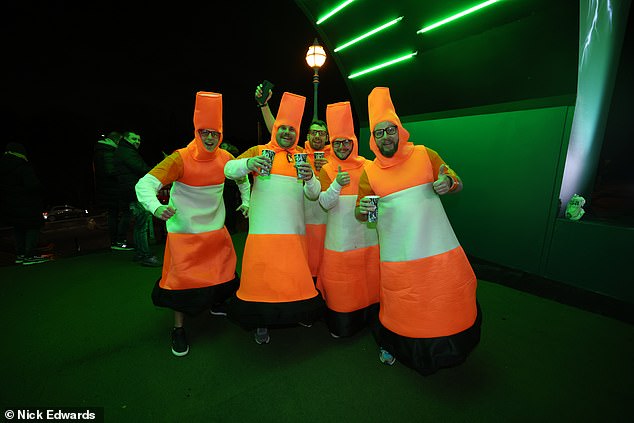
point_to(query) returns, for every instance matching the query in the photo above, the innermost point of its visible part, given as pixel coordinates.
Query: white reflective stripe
(344, 232)
(314, 214)
(412, 224)
(198, 209)
(277, 206)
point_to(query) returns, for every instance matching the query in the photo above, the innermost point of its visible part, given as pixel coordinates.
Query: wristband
(262, 105)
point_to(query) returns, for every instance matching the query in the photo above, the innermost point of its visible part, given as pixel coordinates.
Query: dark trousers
(26, 238)
(141, 225)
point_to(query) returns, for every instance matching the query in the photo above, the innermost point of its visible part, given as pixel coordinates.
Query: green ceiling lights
(367, 34)
(382, 65)
(333, 11)
(456, 16)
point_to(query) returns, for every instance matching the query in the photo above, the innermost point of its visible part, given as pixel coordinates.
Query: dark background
(77, 70)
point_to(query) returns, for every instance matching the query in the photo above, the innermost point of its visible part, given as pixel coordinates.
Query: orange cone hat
(381, 109)
(289, 114)
(341, 125)
(207, 115)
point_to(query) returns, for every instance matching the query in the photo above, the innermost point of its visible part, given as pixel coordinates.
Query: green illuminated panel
(382, 65)
(333, 11)
(457, 16)
(367, 34)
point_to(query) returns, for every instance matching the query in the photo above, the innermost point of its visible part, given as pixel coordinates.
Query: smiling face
(386, 138)
(285, 136)
(210, 138)
(342, 147)
(317, 136)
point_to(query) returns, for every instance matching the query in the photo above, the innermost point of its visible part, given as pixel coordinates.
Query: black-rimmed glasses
(344, 143)
(390, 130)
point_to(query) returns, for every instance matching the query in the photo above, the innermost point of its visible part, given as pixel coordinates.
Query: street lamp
(315, 57)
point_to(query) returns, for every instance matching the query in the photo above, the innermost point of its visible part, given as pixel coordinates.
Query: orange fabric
(391, 185)
(381, 109)
(207, 115)
(315, 236)
(198, 260)
(341, 125)
(268, 277)
(429, 297)
(416, 170)
(289, 114)
(344, 291)
(169, 169)
(283, 162)
(204, 173)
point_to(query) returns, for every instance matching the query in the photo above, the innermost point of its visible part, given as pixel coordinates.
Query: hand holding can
(300, 158)
(269, 154)
(374, 214)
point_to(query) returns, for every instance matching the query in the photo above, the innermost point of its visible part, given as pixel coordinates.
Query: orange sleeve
(170, 169)
(436, 161)
(324, 179)
(364, 187)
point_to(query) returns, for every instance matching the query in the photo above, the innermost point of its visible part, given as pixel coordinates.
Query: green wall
(511, 163)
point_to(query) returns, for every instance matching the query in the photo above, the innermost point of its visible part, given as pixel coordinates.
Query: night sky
(76, 70)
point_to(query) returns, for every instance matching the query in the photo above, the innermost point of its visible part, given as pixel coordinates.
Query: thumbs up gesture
(343, 178)
(444, 181)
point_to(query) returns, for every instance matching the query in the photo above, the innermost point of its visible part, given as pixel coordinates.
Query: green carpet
(82, 331)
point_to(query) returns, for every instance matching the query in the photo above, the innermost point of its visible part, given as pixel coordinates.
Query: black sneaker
(121, 246)
(262, 336)
(180, 347)
(219, 309)
(151, 261)
(34, 260)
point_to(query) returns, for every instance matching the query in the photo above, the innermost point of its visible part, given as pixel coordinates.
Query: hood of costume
(381, 109)
(289, 114)
(341, 125)
(207, 115)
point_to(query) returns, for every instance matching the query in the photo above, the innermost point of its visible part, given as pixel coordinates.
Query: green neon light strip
(457, 16)
(333, 11)
(367, 34)
(383, 65)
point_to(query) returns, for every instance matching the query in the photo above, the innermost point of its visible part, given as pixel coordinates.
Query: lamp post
(315, 57)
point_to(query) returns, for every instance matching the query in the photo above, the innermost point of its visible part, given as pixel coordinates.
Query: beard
(389, 151)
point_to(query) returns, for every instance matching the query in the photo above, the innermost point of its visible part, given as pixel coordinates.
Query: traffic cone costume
(349, 276)
(276, 286)
(428, 312)
(315, 217)
(199, 265)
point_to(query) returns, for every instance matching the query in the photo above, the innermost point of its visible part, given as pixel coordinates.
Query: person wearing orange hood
(199, 266)
(314, 215)
(276, 286)
(429, 317)
(349, 277)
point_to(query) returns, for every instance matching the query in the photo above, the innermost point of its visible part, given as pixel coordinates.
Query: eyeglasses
(344, 143)
(378, 133)
(317, 133)
(204, 133)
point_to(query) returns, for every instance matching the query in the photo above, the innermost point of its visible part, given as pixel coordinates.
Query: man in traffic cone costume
(429, 317)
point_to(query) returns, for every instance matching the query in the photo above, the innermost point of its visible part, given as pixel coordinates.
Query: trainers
(180, 347)
(151, 261)
(19, 259)
(262, 336)
(34, 260)
(386, 357)
(121, 246)
(335, 336)
(219, 309)
(306, 325)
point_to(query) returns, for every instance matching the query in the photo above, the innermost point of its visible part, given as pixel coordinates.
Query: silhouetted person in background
(130, 167)
(21, 202)
(106, 191)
